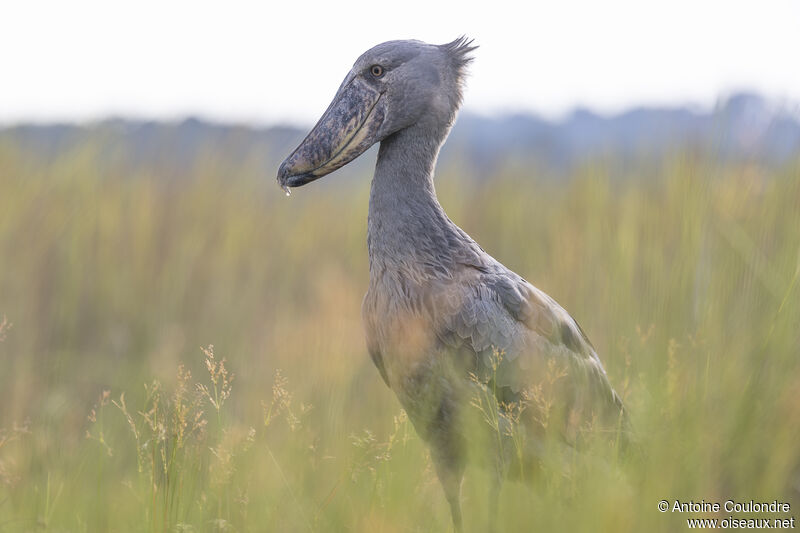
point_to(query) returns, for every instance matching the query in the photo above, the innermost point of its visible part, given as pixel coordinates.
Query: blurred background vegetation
(118, 263)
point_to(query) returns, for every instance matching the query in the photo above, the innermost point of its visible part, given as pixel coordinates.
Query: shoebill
(486, 365)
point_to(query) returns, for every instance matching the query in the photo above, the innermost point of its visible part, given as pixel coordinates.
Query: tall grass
(684, 275)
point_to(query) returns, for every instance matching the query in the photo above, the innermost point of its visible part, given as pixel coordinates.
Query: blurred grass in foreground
(684, 277)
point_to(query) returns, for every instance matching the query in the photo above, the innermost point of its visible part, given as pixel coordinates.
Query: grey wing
(540, 345)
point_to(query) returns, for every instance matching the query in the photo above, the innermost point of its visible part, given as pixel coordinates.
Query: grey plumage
(444, 320)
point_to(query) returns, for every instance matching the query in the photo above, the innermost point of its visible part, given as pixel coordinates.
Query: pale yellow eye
(376, 71)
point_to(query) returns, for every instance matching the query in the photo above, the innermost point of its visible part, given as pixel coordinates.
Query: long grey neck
(407, 225)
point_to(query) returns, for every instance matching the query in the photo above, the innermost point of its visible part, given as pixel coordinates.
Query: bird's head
(392, 86)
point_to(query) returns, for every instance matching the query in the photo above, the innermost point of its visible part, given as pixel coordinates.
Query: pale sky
(282, 61)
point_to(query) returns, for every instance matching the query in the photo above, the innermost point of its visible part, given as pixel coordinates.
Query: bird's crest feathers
(459, 53)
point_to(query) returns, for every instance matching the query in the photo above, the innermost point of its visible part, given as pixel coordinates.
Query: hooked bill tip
(284, 177)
